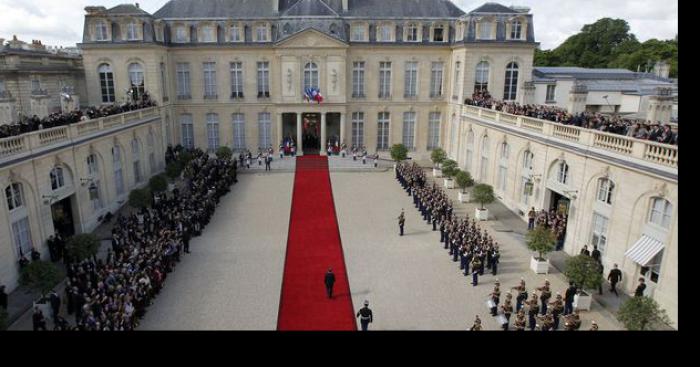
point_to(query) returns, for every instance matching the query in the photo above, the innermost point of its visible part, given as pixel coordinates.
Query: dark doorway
(559, 208)
(289, 133)
(62, 215)
(333, 133)
(311, 125)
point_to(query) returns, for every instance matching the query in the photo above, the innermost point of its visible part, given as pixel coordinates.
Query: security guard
(402, 221)
(365, 315)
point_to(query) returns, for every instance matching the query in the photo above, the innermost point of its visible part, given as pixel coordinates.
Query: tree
(140, 198)
(483, 194)
(639, 313)
(40, 276)
(584, 271)
(173, 170)
(184, 158)
(438, 156)
(464, 180)
(399, 152)
(158, 183)
(542, 240)
(449, 168)
(82, 246)
(224, 153)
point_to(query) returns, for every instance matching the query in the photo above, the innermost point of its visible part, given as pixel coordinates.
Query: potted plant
(483, 194)
(158, 183)
(464, 180)
(224, 153)
(541, 240)
(399, 152)
(585, 272)
(639, 313)
(82, 246)
(41, 276)
(437, 156)
(140, 198)
(449, 169)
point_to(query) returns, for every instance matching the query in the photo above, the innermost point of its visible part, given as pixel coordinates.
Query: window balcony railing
(237, 95)
(184, 97)
(263, 94)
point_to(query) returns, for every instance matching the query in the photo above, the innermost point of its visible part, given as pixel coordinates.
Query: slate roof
(605, 80)
(403, 8)
(493, 8)
(217, 9)
(583, 73)
(125, 9)
(310, 8)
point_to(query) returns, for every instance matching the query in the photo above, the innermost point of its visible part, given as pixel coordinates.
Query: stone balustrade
(648, 151)
(37, 140)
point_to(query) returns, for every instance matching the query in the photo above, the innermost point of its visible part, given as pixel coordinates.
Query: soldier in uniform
(495, 260)
(547, 321)
(442, 230)
(402, 221)
(520, 321)
(557, 309)
(594, 326)
(476, 268)
(522, 295)
(495, 297)
(365, 315)
(533, 310)
(545, 295)
(477, 324)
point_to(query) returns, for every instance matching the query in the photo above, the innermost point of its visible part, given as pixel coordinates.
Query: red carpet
(314, 246)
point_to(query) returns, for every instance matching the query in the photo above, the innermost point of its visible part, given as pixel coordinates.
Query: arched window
(235, 33)
(310, 76)
(334, 28)
(515, 29)
(208, 33)
(136, 80)
(57, 180)
(470, 151)
(181, 34)
(14, 194)
(485, 149)
(93, 168)
(136, 157)
(511, 87)
(132, 32)
(605, 190)
(118, 174)
(482, 77)
(106, 83)
(526, 184)
(101, 33)
(661, 212)
(385, 32)
(287, 28)
(504, 150)
(563, 173)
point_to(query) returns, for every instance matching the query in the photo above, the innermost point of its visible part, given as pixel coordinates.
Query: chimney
(137, 6)
(345, 5)
(276, 6)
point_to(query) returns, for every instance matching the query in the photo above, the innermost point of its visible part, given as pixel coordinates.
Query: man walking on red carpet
(329, 280)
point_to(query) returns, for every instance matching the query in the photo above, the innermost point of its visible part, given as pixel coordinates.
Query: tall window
(550, 92)
(261, 33)
(101, 31)
(358, 129)
(456, 84)
(209, 80)
(485, 29)
(14, 194)
(187, 131)
(652, 271)
(482, 77)
(434, 130)
(385, 31)
(358, 33)
(36, 85)
(136, 78)
(163, 82)
(93, 168)
(383, 131)
(132, 31)
(525, 179)
(95, 197)
(661, 212)
(384, 79)
(263, 79)
(23, 235)
(470, 151)
(563, 173)
(151, 139)
(358, 79)
(605, 190)
(235, 33)
(409, 129)
(238, 131)
(412, 33)
(503, 166)
(436, 79)
(106, 83)
(485, 150)
(599, 232)
(56, 176)
(310, 75)
(117, 165)
(411, 79)
(515, 29)
(511, 88)
(453, 133)
(208, 34)
(439, 34)
(236, 80)
(264, 128)
(212, 131)
(183, 80)
(181, 34)
(136, 154)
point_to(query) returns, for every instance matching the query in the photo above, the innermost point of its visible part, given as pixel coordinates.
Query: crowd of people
(29, 124)
(645, 130)
(552, 220)
(113, 294)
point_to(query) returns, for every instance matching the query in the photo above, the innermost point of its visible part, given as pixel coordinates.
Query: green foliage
(639, 313)
(82, 246)
(399, 152)
(184, 158)
(224, 153)
(449, 168)
(140, 198)
(438, 156)
(158, 183)
(40, 276)
(173, 170)
(3, 319)
(542, 240)
(464, 180)
(584, 271)
(483, 194)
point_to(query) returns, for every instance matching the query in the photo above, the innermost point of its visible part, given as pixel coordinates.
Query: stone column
(660, 106)
(324, 143)
(279, 129)
(342, 129)
(577, 99)
(300, 147)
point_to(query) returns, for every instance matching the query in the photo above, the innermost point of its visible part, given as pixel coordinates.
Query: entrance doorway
(559, 206)
(62, 215)
(311, 132)
(333, 133)
(289, 132)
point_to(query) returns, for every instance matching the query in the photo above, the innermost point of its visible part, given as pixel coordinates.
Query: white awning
(644, 250)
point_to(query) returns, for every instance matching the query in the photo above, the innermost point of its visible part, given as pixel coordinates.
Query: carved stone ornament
(289, 79)
(335, 79)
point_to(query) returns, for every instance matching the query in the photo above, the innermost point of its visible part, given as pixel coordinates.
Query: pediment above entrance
(311, 38)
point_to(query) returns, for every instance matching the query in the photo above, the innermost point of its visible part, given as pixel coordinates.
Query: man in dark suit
(595, 254)
(329, 280)
(55, 300)
(614, 277)
(639, 292)
(569, 298)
